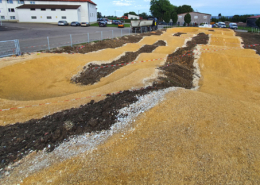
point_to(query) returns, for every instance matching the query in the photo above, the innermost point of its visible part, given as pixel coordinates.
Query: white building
(48, 11)
(133, 16)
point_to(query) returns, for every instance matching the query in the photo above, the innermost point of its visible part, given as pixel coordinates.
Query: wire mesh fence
(39, 44)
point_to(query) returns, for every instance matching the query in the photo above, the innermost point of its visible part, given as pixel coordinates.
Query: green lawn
(110, 25)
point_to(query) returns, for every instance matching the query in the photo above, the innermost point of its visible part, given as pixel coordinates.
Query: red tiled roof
(258, 16)
(89, 1)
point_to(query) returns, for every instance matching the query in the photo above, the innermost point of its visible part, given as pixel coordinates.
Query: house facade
(48, 11)
(196, 18)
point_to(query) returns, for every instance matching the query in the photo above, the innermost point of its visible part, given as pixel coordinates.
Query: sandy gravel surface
(208, 136)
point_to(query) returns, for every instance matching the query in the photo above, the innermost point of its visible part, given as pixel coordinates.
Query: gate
(9, 47)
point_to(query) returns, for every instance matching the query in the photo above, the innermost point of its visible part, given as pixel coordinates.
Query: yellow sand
(209, 136)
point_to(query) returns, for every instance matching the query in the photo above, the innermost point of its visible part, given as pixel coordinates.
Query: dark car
(75, 24)
(63, 23)
(85, 24)
(116, 22)
(102, 23)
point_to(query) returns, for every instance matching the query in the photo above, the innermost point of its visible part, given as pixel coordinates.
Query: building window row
(20, 1)
(11, 17)
(44, 9)
(9, 1)
(48, 17)
(32, 2)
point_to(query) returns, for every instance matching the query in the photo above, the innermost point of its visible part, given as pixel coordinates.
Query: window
(10, 9)
(195, 17)
(43, 9)
(180, 16)
(32, 2)
(12, 17)
(62, 9)
(32, 9)
(205, 17)
(63, 17)
(0, 1)
(48, 17)
(53, 9)
(2, 17)
(20, 1)
(9, 1)
(34, 17)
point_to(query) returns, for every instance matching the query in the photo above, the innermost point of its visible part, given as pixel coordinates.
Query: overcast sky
(213, 7)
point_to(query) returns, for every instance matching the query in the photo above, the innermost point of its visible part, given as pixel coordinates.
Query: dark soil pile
(178, 34)
(250, 39)
(91, 75)
(109, 43)
(180, 70)
(17, 140)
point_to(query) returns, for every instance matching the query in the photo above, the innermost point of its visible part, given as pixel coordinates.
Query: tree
(99, 15)
(132, 13)
(187, 18)
(143, 15)
(174, 17)
(167, 17)
(258, 22)
(159, 7)
(184, 9)
(219, 15)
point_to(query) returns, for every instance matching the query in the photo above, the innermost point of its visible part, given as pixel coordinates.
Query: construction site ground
(204, 133)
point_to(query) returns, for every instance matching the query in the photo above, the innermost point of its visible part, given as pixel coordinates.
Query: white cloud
(123, 3)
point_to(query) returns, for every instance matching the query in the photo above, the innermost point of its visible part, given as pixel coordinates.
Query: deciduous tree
(167, 17)
(187, 18)
(174, 17)
(159, 7)
(258, 22)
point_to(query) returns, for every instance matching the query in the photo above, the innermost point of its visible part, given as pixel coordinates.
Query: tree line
(235, 18)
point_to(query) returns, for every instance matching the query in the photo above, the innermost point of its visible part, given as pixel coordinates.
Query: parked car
(63, 23)
(75, 24)
(102, 23)
(233, 25)
(109, 22)
(120, 25)
(162, 23)
(214, 26)
(221, 25)
(85, 24)
(116, 22)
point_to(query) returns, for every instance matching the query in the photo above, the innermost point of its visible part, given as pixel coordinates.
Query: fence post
(48, 43)
(112, 34)
(70, 40)
(121, 33)
(18, 47)
(88, 37)
(101, 35)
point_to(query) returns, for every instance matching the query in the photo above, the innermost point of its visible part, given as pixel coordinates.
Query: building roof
(254, 17)
(89, 1)
(27, 6)
(195, 12)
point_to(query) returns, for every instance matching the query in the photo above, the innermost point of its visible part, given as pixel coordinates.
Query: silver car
(63, 23)
(233, 26)
(221, 25)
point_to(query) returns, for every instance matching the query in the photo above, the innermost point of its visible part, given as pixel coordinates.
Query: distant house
(196, 18)
(133, 16)
(250, 21)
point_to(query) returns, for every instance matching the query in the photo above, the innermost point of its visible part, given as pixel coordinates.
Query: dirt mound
(21, 138)
(179, 69)
(109, 43)
(91, 75)
(250, 39)
(178, 34)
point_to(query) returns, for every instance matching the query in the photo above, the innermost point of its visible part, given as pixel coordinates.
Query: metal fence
(9, 47)
(15, 47)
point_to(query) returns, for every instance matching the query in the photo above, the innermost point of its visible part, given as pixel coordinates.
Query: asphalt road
(33, 37)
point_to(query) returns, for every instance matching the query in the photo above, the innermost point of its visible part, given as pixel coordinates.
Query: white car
(206, 25)
(221, 25)
(233, 25)
(109, 22)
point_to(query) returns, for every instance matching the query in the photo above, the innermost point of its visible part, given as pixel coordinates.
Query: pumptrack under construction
(207, 134)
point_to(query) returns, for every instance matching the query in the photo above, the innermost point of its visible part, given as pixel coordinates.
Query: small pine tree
(166, 17)
(187, 18)
(258, 22)
(174, 17)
